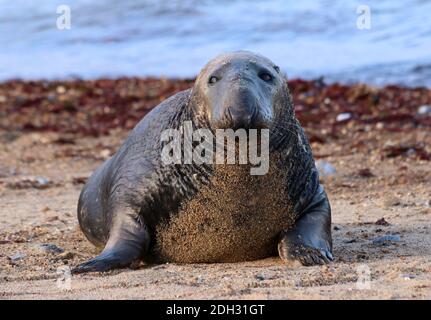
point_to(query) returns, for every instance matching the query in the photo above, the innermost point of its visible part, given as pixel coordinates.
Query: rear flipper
(309, 241)
(128, 242)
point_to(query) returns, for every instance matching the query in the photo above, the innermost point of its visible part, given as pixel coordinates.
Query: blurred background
(308, 39)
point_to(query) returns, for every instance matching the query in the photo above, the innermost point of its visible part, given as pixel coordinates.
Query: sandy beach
(373, 145)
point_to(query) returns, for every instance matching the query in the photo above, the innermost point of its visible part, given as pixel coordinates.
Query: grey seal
(136, 207)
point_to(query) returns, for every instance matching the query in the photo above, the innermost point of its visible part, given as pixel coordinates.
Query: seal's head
(240, 90)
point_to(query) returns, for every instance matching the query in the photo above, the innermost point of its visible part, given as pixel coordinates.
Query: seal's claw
(329, 256)
(101, 263)
(306, 255)
(92, 265)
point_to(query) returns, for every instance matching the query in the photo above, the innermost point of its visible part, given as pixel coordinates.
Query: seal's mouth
(236, 118)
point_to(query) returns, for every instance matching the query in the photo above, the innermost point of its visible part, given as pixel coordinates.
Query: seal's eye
(265, 76)
(213, 80)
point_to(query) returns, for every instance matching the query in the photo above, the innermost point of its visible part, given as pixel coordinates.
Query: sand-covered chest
(236, 217)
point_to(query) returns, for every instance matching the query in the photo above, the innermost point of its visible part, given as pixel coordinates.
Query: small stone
(325, 168)
(344, 116)
(411, 152)
(105, 153)
(380, 125)
(366, 173)
(80, 179)
(259, 277)
(381, 222)
(66, 255)
(17, 256)
(350, 241)
(49, 247)
(61, 89)
(42, 181)
(424, 110)
(30, 182)
(386, 240)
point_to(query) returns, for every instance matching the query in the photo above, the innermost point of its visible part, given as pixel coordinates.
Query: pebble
(17, 256)
(325, 168)
(30, 182)
(42, 182)
(386, 240)
(380, 125)
(105, 153)
(424, 110)
(350, 241)
(61, 90)
(344, 116)
(366, 173)
(66, 255)
(382, 222)
(49, 247)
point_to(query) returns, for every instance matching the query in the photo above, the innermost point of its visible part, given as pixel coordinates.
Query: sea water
(306, 38)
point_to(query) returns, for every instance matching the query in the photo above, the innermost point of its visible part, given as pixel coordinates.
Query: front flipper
(309, 241)
(128, 242)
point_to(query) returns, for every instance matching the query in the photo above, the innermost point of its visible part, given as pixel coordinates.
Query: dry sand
(366, 188)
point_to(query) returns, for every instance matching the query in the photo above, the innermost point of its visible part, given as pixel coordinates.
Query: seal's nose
(240, 108)
(239, 117)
